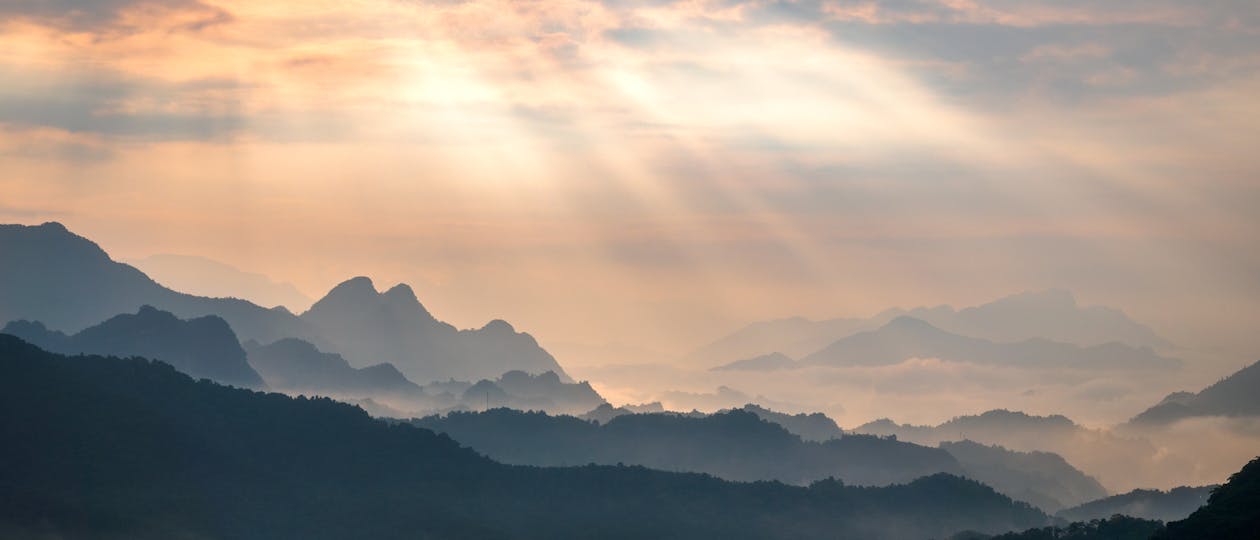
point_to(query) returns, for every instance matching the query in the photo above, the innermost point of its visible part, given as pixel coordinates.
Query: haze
(659, 173)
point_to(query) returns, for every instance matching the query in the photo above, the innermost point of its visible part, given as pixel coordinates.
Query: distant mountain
(207, 277)
(1170, 505)
(766, 362)
(51, 275)
(295, 366)
(735, 445)
(126, 448)
(1235, 395)
(547, 392)
(204, 347)
(907, 337)
(794, 337)
(370, 326)
(815, 427)
(1232, 511)
(1117, 462)
(67, 282)
(1043, 479)
(1052, 315)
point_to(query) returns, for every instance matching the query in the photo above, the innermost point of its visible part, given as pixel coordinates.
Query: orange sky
(659, 172)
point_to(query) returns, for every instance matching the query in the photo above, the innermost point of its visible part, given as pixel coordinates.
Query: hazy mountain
(1043, 479)
(810, 427)
(67, 282)
(547, 392)
(1235, 395)
(908, 337)
(734, 445)
(204, 347)
(51, 275)
(293, 365)
(766, 362)
(1053, 315)
(1117, 462)
(126, 448)
(1170, 505)
(605, 412)
(370, 326)
(794, 337)
(816, 427)
(207, 277)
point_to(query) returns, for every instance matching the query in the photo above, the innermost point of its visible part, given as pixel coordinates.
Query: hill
(1235, 395)
(735, 445)
(1171, 505)
(295, 366)
(1118, 462)
(129, 448)
(1043, 479)
(204, 347)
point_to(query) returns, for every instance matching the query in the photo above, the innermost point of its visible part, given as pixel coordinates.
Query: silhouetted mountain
(1116, 461)
(547, 392)
(51, 275)
(907, 337)
(1232, 511)
(605, 412)
(204, 347)
(127, 448)
(1043, 479)
(207, 277)
(735, 445)
(1113, 528)
(1236, 395)
(815, 427)
(766, 362)
(67, 282)
(1053, 315)
(394, 327)
(295, 366)
(1170, 505)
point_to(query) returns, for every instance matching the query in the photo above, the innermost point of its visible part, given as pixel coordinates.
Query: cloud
(114, 16)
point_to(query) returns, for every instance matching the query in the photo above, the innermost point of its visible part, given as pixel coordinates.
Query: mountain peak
(356, 285)
(498, 326)
(402, 292)
(907, 323)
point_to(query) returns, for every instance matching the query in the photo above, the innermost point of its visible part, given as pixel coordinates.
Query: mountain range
(1052, 315)
(906, 337)
(1116, 461)
(742, 444)
(169, 457)
(1235, 395)
(1171, 505)
(67, 282)
(1043, 479)
(204, 347)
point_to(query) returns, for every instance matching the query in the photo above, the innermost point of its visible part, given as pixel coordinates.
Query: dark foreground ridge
(131, 448)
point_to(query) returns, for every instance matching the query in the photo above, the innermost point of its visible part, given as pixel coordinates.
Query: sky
(655, 173)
